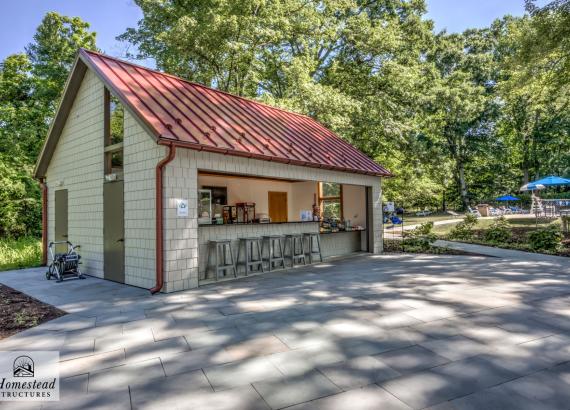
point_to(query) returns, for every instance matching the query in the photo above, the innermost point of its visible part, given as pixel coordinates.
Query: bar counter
(332, 243)
(258, 223)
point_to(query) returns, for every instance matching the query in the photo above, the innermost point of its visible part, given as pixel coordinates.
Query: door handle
(121, 240)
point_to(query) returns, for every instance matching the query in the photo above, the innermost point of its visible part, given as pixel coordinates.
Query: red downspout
(44, 187)
(159, 220)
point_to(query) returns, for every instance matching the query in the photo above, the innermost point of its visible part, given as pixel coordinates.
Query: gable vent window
(114, 135)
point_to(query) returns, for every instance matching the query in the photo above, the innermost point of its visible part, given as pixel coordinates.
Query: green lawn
(416, 220)
(20, 253)
(442, 230)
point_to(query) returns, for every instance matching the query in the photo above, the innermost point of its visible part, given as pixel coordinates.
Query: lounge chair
(473, 211)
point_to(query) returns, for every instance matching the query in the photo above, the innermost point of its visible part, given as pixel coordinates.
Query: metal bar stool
(250, 263)
(222, 247)
(296, 248)
(312, 239)
(275, 261)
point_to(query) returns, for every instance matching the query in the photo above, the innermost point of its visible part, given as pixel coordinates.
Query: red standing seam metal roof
(203, 118)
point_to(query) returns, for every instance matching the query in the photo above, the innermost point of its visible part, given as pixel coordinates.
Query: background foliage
(458, 118)
(30, 87)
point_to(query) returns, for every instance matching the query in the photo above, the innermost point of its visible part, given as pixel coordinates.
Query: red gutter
(159, 219)
(224, 151)
(44, 187)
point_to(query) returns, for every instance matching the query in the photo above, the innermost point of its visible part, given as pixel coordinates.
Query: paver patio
(369, 332)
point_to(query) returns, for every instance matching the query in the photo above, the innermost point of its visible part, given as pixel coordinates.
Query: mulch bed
(395, 246)
(19, 311)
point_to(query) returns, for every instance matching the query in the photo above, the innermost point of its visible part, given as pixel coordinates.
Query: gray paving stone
(287, 392)
(366, 398)
(259, 346)
(375, 344)
(122, 376)
(68, 323)
(125, 340)
(73, 385)
(91, 363)
(456, 347)
(447, 382)
(155, 323)
(240, 373)
(300, 361)
(441, 329)
(116, 400)
(434, 312)
(94, 332)
(558, 321)
(412, 359)
(350, 328)
(193, 360)
(554, 349)
(547, 387)
(156, 349)
(497, 335)
(424, 389)
(73, 350)
(477, 372)
(396, 320)
(152, 392)
(22, 405)
(495, 398)
(295, 339)
(34, 339)
(220, 337)
(358, 372)
(517, 359)
(103, 320)
(242, 398)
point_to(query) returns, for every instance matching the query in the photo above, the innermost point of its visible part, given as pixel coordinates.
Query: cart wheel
(58, 273)
(48, 275)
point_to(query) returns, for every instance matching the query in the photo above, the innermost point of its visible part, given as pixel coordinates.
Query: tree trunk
(462, 184)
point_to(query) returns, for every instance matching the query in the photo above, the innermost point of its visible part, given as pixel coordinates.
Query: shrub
(499, 231)
(24, 252)
(545, 239)
(470, 219)
(20, 203)
(421, 230)
(419, 244)
(464, 229)
(419, 238)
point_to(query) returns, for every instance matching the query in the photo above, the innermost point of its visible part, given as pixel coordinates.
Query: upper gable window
(117, 120)
(114, 135)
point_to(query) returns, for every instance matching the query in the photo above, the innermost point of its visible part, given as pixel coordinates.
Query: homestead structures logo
(29, 376)
(23, 367)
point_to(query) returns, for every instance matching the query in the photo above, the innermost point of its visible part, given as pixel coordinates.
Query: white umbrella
(534, 187)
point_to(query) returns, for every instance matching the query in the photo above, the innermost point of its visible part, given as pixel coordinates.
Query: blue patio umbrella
(551, 180)
(507, 198)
